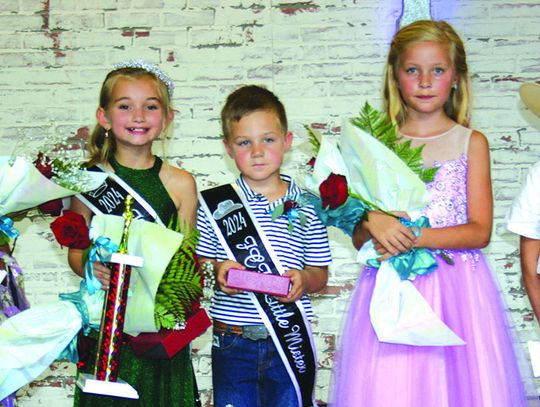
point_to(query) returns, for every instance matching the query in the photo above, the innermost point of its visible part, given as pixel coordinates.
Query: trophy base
(89, 384)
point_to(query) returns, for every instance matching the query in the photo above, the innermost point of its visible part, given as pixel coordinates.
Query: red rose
(53, 207)
(44, 165)
(70, 230)
(334, 191)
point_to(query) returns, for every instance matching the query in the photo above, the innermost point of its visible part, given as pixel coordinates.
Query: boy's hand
(298, 288)
(221, 270)
(392, 236)
(103, 274)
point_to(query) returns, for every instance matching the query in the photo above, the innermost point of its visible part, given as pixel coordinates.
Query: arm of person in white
(523, 218)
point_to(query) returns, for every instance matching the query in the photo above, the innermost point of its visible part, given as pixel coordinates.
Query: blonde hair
(457, 106)
(101, 147)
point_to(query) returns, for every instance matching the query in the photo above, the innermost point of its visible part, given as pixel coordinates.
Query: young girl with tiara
(427, 95)
(135, 109)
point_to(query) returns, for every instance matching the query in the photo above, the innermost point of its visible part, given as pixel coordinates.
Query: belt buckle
(254, 332)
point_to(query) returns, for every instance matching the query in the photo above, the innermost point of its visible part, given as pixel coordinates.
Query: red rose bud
(53, 207)
(334, 191)
(311, 162)
(44, 165)
(288, 205)
(71, 231)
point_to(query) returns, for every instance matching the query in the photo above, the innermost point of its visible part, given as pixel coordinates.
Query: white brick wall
(323, 58)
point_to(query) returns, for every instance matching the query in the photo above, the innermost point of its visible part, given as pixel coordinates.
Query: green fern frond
(381, 127)
(180, 286)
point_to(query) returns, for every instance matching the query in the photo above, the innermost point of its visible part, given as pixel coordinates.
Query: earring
(106, 133)
(454, 86)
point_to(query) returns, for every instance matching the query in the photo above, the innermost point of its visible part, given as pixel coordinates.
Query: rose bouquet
(41, 178)
(372, 169)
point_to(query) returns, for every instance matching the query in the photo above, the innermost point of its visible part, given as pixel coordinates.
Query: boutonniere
(291, 209)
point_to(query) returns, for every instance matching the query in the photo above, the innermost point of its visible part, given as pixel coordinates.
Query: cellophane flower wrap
(40, 176)
(380, 172)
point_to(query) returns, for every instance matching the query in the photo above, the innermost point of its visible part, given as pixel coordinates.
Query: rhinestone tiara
(148, 67)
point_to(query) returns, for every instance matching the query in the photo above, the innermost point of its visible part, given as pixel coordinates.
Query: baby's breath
(64, 155)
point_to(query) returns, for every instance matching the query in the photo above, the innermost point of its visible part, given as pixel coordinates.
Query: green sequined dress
(159, 382)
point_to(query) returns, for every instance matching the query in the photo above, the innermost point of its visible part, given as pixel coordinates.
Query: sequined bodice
(448, 194)
(448, 191)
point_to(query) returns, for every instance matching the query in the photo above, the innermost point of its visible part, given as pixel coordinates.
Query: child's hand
(392, 236)
(103, 274)
(384, 254)
(221, 270)
(298, 288)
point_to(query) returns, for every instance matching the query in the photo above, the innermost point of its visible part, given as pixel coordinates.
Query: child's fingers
(398, 242)
(222, 269)
(297, 286)
(103, 274)
(401, 214)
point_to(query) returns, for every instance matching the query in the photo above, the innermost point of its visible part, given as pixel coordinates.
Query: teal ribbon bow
(70, 352)
(417, 261)
(100, 250)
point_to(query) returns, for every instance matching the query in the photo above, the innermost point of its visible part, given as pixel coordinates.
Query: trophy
(105, 379)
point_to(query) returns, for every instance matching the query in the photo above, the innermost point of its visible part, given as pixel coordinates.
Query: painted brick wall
(323, 58)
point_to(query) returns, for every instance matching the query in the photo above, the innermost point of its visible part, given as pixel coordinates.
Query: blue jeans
(249, 373)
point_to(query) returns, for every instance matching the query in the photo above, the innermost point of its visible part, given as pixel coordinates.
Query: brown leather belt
(253, 332)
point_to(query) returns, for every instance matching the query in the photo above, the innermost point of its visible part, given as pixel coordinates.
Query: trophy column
(105, 379)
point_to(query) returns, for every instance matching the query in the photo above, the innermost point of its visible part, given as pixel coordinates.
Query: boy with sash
(263, 352)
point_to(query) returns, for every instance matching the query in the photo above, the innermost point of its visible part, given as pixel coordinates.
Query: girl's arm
(182, 188)
(476, 233)
(75, 256)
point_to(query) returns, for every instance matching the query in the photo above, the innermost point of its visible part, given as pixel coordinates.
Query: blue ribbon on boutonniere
(7, 228)
(418, 261)
(291, 209)
(100, 249)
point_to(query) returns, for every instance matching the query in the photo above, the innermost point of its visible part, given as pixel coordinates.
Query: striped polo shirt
(305, 246)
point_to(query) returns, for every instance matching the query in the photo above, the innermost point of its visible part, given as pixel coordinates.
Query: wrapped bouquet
(29, 179)
(163, 294)
(372, 169)
(40, 178)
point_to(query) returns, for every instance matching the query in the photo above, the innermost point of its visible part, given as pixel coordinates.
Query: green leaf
(428, 174)
(303, 219)
(278, 211)
(180, 287)
(4, 239)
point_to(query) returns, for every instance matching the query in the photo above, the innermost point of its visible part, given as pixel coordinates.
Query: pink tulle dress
(482, 373)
